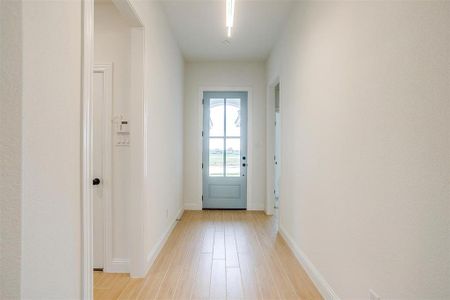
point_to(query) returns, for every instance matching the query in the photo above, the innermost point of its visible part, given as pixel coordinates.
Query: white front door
(98, 151)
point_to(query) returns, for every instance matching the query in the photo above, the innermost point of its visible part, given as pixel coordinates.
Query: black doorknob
(96, 181)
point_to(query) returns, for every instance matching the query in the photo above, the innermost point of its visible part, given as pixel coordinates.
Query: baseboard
(119, 265)
(193, 206)
(198, 206)
(319, 281)
(268, 213)
(255, 206)
(152, 255)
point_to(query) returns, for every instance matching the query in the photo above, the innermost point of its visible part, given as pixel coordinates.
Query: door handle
(96, 181)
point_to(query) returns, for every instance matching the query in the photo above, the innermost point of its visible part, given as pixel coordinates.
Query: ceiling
(199, 28)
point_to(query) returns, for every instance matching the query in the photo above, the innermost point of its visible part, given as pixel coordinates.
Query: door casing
(199, 142)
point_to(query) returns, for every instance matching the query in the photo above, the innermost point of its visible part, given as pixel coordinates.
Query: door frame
(270, 145)
(107, 69)
(250, 153)
(87, 280)
(243, 137)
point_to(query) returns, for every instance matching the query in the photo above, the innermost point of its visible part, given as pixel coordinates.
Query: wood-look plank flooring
(217, 255)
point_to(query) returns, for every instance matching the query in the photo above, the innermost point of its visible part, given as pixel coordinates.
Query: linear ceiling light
(230, 16)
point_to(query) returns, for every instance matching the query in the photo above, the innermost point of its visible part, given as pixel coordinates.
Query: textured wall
(51, 229)
(10, 147)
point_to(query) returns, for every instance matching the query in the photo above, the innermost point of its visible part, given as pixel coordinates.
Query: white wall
(113, 45)
(216, 75)
(365, 144)
(10, 147)
(163, 186)
(51, 150)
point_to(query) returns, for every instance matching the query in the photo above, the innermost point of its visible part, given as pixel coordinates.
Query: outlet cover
(373, 295)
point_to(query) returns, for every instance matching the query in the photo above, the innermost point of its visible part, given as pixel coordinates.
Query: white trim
(250, 203)
(86, 151)
(119, 265)
(107, 70)
(138, 151)
(258, 207)
(322, 285)
(192, 206)
(153, 254)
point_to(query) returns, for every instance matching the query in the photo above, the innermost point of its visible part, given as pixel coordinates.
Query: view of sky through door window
(233, 140)
(216, 118)
(224, 137)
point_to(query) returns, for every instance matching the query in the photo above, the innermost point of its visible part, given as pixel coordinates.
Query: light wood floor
(217, 255)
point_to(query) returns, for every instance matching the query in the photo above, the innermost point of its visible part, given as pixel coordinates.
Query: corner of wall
(319, 281)
(153, 254)
(192, 206)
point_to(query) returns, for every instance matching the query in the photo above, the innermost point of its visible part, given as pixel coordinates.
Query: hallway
(130, 125)
(217, 255)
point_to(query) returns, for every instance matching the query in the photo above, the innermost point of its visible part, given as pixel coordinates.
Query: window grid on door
(224, 137)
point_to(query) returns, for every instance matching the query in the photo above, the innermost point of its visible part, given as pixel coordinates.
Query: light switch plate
(122, 140)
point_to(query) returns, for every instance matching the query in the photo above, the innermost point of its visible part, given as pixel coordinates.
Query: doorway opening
(112, 138)
(277, 149)
(273, 147)
(225, 160)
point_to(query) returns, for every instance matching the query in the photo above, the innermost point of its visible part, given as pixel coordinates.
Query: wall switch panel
(122, 131)
(122, 139)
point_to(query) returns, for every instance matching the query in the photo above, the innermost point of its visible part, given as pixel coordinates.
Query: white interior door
(98, 151)
(102, 166)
